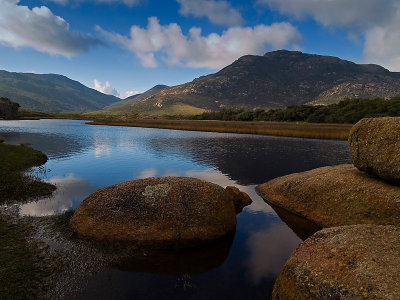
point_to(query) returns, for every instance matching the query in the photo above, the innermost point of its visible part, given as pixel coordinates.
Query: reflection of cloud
(147, 173)
(102, 146)
(269, 251)
(70, 192)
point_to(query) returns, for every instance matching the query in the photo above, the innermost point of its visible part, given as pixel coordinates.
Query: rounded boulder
(348, 262)
(374, 145)
(157, 212)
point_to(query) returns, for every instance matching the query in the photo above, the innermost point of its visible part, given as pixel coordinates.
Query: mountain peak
(279, 79)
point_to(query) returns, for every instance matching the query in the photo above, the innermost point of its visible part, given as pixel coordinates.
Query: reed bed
(288, 129)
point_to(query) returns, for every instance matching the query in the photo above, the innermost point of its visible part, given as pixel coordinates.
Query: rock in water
(348, 262)
(374, 146)
(335, 196)
(239, 199)
(158, 212)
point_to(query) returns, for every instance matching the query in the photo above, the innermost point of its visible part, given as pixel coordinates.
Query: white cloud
(377, 22)
(168, 44)
(128, 94)
(109, 90)
(40, 29)
(129, 3)
(218, 12)
(105, 88)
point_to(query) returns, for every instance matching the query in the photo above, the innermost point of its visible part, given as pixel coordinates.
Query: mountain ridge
(51, 92)
(276, 80)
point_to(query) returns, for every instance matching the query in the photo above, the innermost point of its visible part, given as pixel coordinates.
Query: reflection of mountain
(254, 159)
(54, 145)
(188, 261)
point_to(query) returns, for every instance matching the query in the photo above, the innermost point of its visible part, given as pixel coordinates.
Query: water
(84, 158)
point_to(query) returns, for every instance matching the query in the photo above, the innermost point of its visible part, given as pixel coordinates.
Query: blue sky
(125, 46)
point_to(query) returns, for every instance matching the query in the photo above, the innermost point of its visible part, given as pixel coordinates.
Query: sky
(123, 47)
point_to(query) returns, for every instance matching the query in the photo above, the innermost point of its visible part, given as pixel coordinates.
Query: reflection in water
(83, 158)
(269, 250)
(254, 159)
(69, 193)
(188, 261)
(301, 226)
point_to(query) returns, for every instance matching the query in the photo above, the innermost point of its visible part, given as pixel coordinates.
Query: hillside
(125, 103)
(276, 80)
(51, 93)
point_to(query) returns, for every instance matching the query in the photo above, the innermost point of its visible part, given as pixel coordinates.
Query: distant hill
(125, 103)
(276, 80)
(51, 93)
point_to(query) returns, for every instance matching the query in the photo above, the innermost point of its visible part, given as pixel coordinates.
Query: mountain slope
(278, 79)
(125, 103)
(51, 93)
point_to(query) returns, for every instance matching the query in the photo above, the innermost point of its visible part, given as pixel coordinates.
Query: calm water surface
(84, 158)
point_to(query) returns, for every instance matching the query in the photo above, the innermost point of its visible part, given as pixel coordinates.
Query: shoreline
(285, 129)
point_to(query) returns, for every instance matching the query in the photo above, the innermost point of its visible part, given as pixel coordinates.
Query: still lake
(84, 158)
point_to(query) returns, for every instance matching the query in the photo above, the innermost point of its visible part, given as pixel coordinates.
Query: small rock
(240, 199)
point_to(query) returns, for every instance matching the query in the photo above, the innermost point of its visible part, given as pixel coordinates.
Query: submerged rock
(157, 212)
(374, 146)
(348, 262)
(334, 196)
(239, 199)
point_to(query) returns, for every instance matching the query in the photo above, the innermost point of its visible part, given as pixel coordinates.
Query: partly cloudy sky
(122, 47)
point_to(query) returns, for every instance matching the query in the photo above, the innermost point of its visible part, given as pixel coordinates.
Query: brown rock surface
(374, 145)
(239, 199)
(157, 212)
(348, 262)
(334, 196)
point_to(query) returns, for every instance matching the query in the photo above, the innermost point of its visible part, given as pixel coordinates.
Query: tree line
(8, 109)
(346, 111)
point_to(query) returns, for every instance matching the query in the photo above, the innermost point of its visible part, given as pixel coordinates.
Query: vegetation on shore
(23, 267)
(347, 111)
(304, 130)
(305, 121)
(14, 184)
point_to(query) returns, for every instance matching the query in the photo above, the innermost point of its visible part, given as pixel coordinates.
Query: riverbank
(288, 129)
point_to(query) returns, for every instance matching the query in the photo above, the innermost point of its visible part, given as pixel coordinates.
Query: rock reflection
(173, 262)
(301, 226)
(70, 192)
(269, 249)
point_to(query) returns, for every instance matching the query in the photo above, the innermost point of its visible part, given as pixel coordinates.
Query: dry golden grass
(303, 130)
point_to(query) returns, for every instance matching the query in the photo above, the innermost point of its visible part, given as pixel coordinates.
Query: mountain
(275, 80)
(51, 93)
(125, 103)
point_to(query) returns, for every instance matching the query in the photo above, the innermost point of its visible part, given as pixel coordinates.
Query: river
(84, 158)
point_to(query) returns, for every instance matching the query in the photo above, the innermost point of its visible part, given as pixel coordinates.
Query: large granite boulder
(348, 262)
(374, 146)
(157, 212)
(334, 196)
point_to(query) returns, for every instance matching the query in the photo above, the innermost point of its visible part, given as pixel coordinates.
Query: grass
(15, 185)
(24, 268)
(289, 129)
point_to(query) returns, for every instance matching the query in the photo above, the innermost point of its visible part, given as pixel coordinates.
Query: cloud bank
(218, 12)
(129, 3)
(377, 22)
(40, 29)
(106, 88)
(167, 43)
